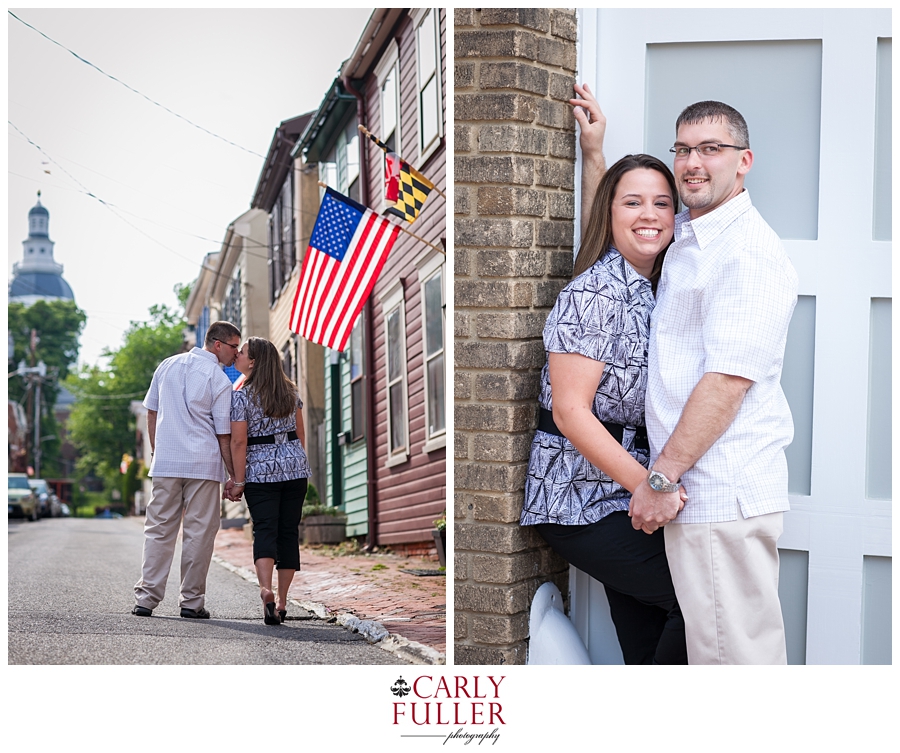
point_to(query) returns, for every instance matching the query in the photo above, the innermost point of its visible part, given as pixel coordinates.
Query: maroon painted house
(385, 426)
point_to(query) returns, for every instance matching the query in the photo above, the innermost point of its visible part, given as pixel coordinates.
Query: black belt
(270, 438)
(548, 425)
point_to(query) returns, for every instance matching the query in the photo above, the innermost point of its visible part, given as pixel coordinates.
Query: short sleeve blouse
(283, 461)
(604, 315)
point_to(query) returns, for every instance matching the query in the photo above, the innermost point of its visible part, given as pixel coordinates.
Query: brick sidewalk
(368, 586)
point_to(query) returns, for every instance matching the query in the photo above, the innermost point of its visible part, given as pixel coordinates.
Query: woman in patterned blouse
(270, 466)
(591, 451)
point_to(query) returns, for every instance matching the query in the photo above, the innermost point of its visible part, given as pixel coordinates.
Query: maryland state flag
(404, 186)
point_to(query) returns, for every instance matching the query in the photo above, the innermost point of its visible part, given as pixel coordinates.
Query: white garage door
(815, 88)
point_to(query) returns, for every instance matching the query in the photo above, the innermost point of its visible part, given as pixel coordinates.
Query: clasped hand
(232, 492)
(650, 510)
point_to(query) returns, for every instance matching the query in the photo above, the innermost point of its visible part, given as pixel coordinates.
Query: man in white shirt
(189, 425)
(717, 419)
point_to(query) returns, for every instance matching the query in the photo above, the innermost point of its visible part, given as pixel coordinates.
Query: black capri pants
(275, 509)
(634, 571)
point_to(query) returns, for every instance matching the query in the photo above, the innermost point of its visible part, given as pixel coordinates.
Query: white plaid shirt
(724, 303)
(192, 398)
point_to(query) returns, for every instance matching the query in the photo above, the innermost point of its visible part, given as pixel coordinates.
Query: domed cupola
(38, 276)
(38, 220)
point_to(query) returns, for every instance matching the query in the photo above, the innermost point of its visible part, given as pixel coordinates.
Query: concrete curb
(244, 572)
(374, 632)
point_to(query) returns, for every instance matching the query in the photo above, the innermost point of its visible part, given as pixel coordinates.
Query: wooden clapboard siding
(355, 471)
(411, 495)
(309, 371)
(327, 494)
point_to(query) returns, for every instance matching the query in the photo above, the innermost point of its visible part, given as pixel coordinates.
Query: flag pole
(417, 237)
(373, 137)
(384, 148)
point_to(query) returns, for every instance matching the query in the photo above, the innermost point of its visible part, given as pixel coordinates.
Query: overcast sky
(173, 187)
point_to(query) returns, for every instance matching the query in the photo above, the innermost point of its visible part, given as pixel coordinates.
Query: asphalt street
(70, 597)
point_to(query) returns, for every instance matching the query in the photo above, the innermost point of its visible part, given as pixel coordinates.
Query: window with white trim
(357, 381)
(328, 172)
(286, 202)
(231, 305)
(282, 254)
(387, 73)
(431, 286)
(428, 79)
(394, 309)
(347, 155)
(287, 360)
(340, 167)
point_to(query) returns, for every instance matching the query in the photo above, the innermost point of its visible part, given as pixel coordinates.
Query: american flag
(348, 247)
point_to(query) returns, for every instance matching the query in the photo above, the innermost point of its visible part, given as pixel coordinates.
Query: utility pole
(35, 375)
(42, 372)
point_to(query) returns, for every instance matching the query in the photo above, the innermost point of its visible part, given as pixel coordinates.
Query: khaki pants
(196, 502)
(726, 580)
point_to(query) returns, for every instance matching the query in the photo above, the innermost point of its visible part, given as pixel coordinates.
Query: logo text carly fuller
(459, 701)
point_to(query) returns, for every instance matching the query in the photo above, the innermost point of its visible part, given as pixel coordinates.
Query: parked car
(64, 510)
(23, 502)
(48, 502)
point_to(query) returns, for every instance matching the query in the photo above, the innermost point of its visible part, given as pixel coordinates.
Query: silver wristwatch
(659, 483)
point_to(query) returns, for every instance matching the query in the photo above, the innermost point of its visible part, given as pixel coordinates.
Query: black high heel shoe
(270, 617)
(282, 614)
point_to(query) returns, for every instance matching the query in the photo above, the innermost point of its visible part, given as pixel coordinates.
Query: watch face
(660, 483)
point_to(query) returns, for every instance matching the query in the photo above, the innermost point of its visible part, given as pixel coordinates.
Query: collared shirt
(724, 303)
(282, 461)
(192, 398)
(604, 315)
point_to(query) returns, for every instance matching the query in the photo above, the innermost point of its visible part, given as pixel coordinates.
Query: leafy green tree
(57, 326)
(102, 425)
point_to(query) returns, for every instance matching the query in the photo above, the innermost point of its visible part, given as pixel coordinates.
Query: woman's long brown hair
(267, 382)
(598, 236)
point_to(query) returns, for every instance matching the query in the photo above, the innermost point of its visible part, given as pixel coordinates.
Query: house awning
(324, 126)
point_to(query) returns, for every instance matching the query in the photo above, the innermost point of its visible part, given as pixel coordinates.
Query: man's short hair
(222, 331)
(712, 110)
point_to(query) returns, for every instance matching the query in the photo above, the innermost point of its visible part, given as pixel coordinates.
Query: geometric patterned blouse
(267, 463)
(603, 314)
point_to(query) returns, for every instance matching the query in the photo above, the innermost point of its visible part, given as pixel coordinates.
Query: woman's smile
(643, 218)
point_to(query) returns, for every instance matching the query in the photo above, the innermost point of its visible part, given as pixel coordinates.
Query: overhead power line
(132, 89)
(111, 207)
(94, 196)
(248, 242)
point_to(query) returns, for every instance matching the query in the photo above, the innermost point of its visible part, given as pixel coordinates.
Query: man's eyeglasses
(704, 150)
(236, 347)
